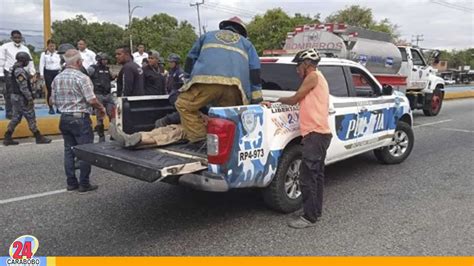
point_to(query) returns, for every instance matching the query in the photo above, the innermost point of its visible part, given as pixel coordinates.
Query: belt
(76, 114)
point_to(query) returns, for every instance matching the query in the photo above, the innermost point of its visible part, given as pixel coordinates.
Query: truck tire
(435, 103)
(401, 146)
(284, 193)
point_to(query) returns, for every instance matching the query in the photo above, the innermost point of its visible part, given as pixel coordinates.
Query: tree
(358, 16)
(164, 33)
(100, 37)
(270, 30)
(459, 58)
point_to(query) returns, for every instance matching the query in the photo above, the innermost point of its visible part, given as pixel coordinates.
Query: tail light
(220, 138)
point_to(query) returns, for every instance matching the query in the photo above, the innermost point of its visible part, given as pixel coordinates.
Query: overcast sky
(444, 24)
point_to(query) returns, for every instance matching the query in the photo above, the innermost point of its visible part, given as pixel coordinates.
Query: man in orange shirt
(313, 97)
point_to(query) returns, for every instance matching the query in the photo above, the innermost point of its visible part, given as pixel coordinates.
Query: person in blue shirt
(223, 68)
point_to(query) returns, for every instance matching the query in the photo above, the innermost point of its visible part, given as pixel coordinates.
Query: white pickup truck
(259, 147)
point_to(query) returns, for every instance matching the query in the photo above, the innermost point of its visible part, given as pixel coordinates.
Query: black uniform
(154, 81)
(130, 80)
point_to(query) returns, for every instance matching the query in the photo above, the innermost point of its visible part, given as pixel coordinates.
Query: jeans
(315, 146)
(75, 131)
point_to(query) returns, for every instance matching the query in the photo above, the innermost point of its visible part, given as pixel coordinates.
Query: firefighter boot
(40, 139)
(8, 140)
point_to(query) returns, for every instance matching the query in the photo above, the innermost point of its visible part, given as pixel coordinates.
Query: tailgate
(146, 164)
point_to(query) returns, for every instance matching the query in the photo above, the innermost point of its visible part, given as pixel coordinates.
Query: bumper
(205, 181)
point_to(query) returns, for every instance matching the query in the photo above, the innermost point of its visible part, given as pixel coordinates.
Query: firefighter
(224, 70)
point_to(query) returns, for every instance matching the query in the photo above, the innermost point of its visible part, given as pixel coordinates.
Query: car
(255, 146)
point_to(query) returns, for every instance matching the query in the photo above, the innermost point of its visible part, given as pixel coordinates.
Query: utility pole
(417, 38)
(130, 12)
(197, 4)
(46, 21)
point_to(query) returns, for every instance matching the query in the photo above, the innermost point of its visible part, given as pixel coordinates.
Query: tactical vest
(101, 80)
(15, 85)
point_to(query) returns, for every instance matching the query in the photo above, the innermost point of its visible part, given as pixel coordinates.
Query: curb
(458, 95)
(46, 125)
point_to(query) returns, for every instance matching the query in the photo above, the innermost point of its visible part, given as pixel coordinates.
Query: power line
(197, 4)
(453, 6)
(417, 38)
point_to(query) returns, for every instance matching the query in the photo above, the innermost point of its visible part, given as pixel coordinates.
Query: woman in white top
(50, 66)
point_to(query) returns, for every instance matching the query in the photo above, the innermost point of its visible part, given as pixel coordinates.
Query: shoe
(57, 111)
(40, 139)
(72, 188)
(85, 189)
(300, 223)
(8, 140)
(51, 111)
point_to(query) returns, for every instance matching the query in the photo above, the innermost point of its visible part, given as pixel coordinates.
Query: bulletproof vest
(101, 79)
(174, 81)
(15, 85)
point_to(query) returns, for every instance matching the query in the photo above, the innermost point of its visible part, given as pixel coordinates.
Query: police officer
(101, 78)
(22, 101)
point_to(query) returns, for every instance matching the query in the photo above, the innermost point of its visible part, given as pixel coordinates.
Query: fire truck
(402, 67)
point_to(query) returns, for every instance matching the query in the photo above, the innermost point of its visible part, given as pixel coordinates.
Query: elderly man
(154, 81)
(73, 94)
(224, 70)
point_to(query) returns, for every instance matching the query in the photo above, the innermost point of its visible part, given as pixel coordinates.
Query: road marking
(457, 130)
(5, 201)
(433, 123)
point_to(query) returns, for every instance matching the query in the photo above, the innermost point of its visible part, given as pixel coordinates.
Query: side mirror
(387, 90)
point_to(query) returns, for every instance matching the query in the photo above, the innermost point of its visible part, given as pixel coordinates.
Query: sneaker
(85, 189)
(51, 111)
(72, 188)
(300, 223)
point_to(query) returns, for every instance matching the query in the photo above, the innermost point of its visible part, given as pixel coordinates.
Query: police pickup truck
(259, 147)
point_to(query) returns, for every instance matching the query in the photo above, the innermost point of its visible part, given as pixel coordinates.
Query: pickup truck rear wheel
(284, 193)
(401, 146)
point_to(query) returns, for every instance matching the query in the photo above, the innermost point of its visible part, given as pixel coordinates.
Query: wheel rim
(435, 103)
(399, 145)
(292, 181)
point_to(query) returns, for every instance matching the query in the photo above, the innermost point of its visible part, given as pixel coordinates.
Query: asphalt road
(424, 206)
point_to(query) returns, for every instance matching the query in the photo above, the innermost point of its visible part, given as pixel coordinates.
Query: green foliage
(358, 16)
(458, 58)
(100, 37)
(270, 30)
(163, 33)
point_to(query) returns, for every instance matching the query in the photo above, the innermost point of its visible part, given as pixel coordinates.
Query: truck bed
(152, 164)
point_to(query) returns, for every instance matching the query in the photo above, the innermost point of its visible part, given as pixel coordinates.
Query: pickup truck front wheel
(401, 146)
(284, 193)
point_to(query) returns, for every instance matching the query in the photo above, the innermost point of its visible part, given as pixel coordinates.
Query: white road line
(457, 130)
(433, 123)
(5, 201)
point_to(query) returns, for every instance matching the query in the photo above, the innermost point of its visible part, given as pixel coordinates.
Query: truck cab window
(336, 80)
(417, 58)
(364, 86)
(404, 54)
(279, 77)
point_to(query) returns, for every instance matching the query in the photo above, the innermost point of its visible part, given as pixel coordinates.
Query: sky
(444, 24)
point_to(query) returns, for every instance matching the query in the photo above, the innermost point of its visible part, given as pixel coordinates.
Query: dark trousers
(315, 146)
(75, 131)
(49, 76)
(7, 94)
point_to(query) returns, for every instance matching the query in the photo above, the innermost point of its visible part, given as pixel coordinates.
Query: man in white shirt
(87, 55)
(8, 52)
(49, 68)
(139, 55)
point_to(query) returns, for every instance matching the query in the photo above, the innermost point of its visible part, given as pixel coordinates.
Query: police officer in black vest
(101, 77)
